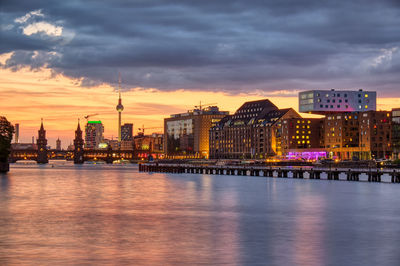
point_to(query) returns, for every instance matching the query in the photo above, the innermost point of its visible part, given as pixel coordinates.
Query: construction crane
(143, 128)
(200, 106)
(87, 116)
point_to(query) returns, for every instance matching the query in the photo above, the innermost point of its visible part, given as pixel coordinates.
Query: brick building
(376, 134)
(253, 131)
(300, 135)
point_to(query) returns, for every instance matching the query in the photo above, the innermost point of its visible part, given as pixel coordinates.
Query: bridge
(32, 154)
(79, 155)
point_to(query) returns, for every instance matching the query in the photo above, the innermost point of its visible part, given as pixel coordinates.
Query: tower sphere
(120, 108)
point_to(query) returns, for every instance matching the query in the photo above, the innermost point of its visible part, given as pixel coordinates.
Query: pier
(366, 175)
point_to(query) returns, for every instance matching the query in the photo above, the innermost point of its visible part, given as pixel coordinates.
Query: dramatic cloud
(234, 46)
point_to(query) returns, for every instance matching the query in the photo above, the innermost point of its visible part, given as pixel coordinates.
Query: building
(127, 145)
(361, 135)
(376, 134)
(16, 134)
(303, 138)
(331, 101)
(70, 147)
(396, 133)
(153, 142)
(253, 131)
(58, 144)
(114, 144)
(41, 142)
(342, 136)
(187, 134)
(78, 145)
(93, 134)
(127, 132)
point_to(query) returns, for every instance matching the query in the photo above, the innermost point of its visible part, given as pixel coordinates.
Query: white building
(329, 101)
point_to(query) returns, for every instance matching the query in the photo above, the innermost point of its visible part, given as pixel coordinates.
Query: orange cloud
(27, 96)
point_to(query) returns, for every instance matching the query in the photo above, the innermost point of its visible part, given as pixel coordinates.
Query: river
(61, 214)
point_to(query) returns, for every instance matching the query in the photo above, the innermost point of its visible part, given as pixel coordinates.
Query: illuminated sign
(94, 122)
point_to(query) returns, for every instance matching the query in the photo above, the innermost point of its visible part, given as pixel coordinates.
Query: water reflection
(308, 246)
(115, 215)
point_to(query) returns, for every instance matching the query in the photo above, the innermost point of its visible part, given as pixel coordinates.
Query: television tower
(119, 108)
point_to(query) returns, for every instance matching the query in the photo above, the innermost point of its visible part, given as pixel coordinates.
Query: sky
(59, 60)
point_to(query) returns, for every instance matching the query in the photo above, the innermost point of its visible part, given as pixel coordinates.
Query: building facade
(93, 134)
(396, 133)
(253, 131)
(303, 137)
(187, 134)
(358, 135)
(153, 142)
(16, 133)
(376, 134)
(127, 132)
(331, 101)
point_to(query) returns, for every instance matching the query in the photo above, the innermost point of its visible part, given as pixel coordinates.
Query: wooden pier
(367, 175)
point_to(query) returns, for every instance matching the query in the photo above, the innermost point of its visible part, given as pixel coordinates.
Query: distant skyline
(60, 59)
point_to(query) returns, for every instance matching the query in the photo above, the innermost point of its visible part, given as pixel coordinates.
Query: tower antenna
(119, 84)
(120, 107)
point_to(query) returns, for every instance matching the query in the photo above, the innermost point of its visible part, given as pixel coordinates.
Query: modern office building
(187, 134)
(253, 131)
(396, 133)
(93, 134)
(333, 101)
(127, 132)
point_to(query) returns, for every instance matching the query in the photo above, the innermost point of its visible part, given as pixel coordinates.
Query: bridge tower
(78, 143)
(42, 145)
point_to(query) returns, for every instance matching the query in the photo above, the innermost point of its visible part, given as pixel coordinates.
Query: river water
(112, 214)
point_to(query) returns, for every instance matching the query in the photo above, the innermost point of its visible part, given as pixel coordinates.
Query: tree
(6, 134)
